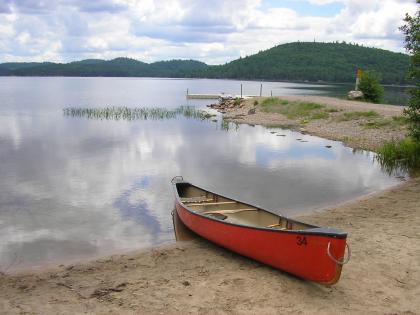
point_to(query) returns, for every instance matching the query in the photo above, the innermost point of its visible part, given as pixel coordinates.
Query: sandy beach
(383, 276)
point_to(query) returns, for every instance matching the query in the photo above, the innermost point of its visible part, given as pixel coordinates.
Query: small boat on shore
(307, 251)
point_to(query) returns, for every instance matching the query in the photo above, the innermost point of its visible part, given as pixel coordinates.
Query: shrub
(411, 31)
(369, 85)
(237, 101)
(400, 154)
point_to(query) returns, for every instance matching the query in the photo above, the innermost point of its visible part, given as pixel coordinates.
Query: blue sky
(305, 8)
(215, 32)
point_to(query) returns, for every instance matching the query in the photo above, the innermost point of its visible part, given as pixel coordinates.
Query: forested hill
(306, 61)
(330, 62)
(119, 67)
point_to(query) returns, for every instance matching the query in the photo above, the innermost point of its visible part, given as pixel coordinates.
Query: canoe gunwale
(312, 230)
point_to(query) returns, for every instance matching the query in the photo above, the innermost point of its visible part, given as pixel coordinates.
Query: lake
(74, 188)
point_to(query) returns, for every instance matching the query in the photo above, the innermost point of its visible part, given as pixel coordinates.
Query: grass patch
(347, 116)
(237, 101)
(403, 154)
(320, 115)
(393, 123)
(333, 110)
(376, 124)
(400, 120)
(294, 110)
(137, 113)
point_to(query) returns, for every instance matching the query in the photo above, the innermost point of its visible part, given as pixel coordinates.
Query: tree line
(299, 61)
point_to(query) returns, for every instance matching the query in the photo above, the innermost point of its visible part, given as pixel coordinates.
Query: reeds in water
(136, 113)
(226, 125)
(400, 155)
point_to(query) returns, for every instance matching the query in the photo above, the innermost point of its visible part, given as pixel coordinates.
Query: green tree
(411, 31)
(371, 88)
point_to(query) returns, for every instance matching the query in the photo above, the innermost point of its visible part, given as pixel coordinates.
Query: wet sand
(382, 277)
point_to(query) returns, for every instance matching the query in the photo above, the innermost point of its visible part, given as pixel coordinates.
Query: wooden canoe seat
(212, 203)
(229, 211)
(196, 199)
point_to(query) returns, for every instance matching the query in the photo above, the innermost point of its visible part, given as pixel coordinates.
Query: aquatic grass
(403, 154)
(227, 125)
(347, 116)
(305, 111)
(136, 113)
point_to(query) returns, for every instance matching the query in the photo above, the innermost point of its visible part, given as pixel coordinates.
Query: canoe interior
(228, 210)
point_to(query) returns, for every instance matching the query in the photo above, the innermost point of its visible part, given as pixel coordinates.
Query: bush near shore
(372, 90)
(406, 153)
(403, 154)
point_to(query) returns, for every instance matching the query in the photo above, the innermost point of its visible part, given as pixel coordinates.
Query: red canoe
(307, 251)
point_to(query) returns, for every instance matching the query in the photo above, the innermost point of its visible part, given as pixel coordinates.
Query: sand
(382, 277)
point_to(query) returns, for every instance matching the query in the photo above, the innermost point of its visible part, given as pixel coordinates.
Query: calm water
(74, 188)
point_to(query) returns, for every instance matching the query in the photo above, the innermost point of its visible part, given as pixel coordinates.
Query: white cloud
(323, 2)
(211, 31)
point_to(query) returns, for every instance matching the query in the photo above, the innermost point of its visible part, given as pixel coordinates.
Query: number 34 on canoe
(310, 252)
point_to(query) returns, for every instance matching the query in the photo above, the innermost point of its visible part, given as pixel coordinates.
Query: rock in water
(355, 95)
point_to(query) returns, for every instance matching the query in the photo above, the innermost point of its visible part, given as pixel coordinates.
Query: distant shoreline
(201, 78)
(293, 62)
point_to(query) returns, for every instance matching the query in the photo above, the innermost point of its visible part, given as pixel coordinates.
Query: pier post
(261, 90)
(271, 93)
(241, 90)
(187, 92)
(359, 74)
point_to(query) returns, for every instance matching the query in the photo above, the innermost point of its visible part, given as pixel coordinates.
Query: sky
(212, 31)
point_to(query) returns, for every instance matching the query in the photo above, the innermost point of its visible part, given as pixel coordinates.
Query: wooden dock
(216, 96)
(204, 96)
(222, 96)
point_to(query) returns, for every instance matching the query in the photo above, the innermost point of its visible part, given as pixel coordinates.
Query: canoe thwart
(229, 211)
(277, 225)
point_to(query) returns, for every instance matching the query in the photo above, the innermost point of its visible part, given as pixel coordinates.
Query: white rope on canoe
(342, 261)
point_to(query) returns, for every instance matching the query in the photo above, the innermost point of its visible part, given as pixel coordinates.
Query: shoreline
(196, 276)
(351, 132)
